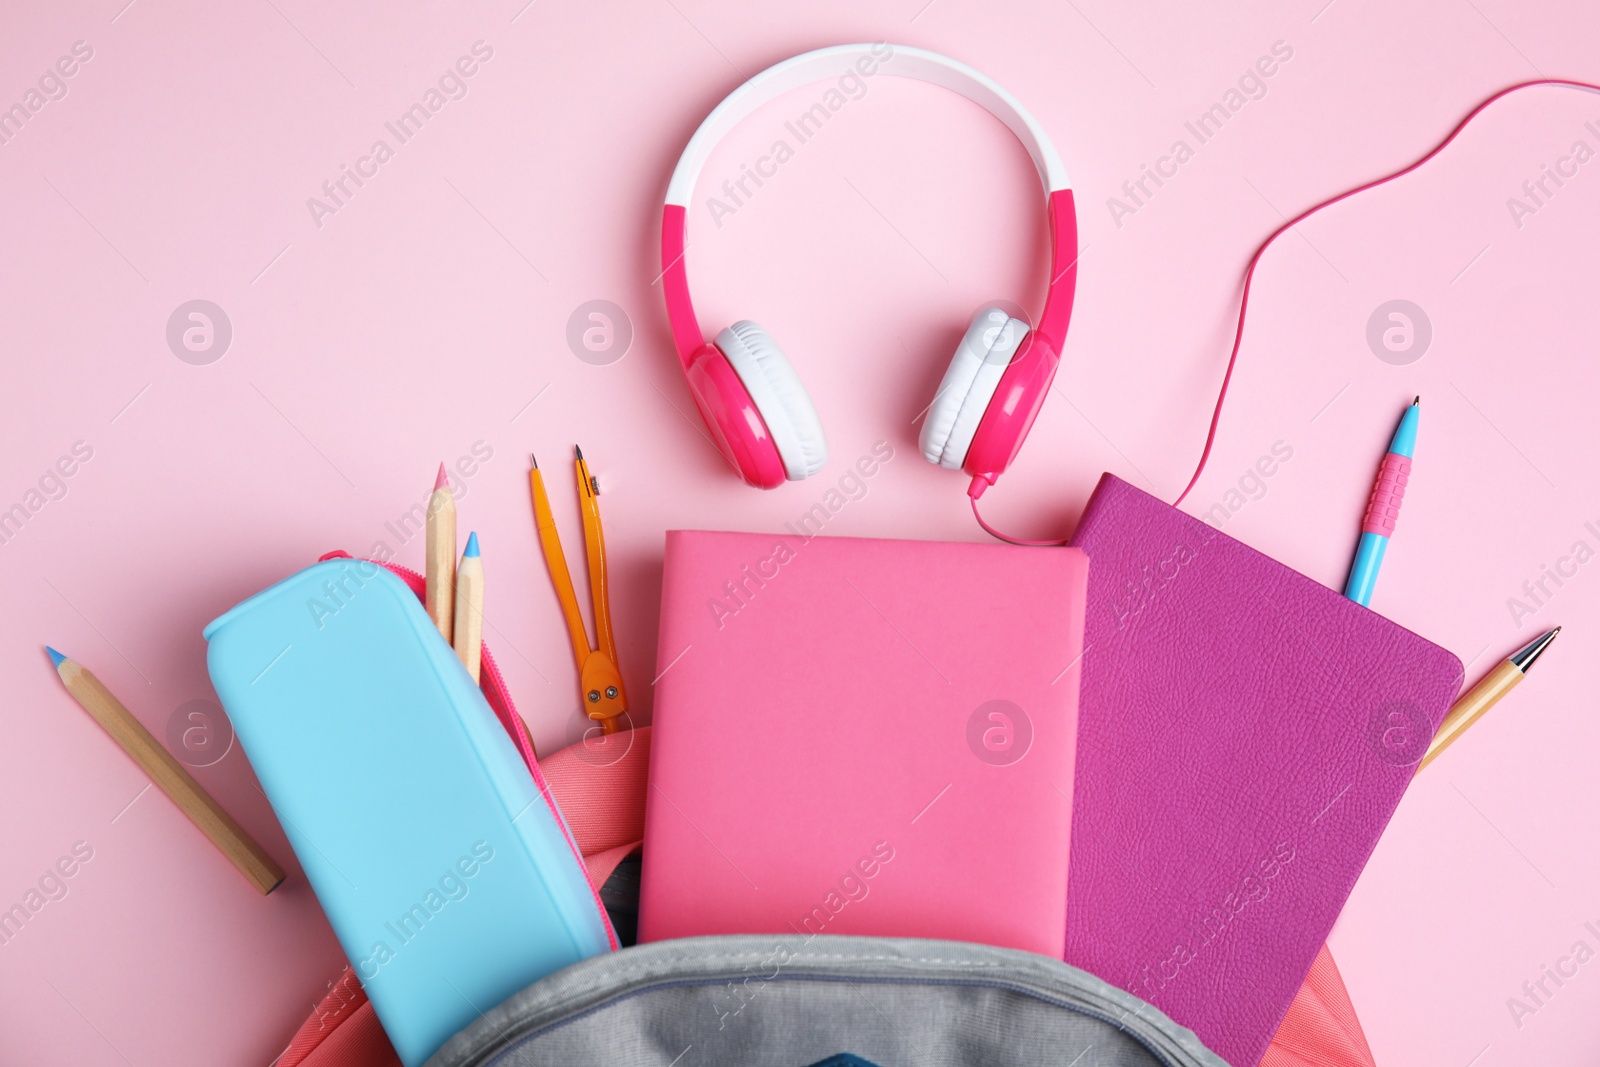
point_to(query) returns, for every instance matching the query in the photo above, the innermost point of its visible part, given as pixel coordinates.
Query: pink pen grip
(1383, 507)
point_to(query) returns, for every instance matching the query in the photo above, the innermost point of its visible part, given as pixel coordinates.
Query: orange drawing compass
(599, 681)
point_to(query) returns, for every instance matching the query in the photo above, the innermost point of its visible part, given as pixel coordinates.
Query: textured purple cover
(1244, 735)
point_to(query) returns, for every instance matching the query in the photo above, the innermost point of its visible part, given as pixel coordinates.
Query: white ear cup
(783, 402)
(968, 386)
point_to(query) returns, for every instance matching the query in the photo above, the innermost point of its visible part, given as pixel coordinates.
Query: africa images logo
(453, 84)
(850, 85)
(853, 886)
(1205, 929)
(452, 887)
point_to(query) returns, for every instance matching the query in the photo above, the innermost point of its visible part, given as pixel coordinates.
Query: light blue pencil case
(449, 879)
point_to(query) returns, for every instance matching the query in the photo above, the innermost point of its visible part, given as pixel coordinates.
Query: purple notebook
(1244, 735)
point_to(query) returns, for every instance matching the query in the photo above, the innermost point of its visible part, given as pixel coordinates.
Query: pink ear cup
(1027, 379)
(732, 417)
(1011, 412)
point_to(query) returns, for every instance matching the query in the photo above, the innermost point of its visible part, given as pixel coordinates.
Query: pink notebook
(1245, 736)
(863, 737)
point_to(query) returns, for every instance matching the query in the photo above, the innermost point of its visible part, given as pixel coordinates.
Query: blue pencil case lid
(447, 876)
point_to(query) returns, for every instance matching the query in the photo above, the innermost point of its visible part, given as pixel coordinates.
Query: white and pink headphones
(748, 393)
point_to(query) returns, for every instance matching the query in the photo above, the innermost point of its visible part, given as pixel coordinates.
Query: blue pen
(1383, 507)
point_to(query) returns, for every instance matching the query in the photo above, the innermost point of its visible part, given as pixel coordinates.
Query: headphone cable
(1255, 259)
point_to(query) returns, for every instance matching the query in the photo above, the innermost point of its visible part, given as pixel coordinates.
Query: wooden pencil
(168, 773)
(439, 570)
(469, 608)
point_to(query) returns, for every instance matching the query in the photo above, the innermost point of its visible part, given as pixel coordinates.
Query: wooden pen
(1475, 702)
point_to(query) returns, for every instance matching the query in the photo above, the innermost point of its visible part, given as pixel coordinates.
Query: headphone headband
(895, 60)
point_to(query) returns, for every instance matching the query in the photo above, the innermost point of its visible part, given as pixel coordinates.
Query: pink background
(431, 310)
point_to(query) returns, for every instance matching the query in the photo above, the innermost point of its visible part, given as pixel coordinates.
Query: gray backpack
(822, 1001)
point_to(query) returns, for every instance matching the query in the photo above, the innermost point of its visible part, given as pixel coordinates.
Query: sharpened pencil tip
(534, 460)
(472, 546)
(1417, 401)
(55, 657)
(578, 450)
(442, 481)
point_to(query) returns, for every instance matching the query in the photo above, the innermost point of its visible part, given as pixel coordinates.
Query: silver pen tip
(1525, 656)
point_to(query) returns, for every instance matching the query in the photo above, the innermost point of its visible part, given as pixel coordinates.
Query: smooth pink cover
(1246, 735)
(879, 740)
